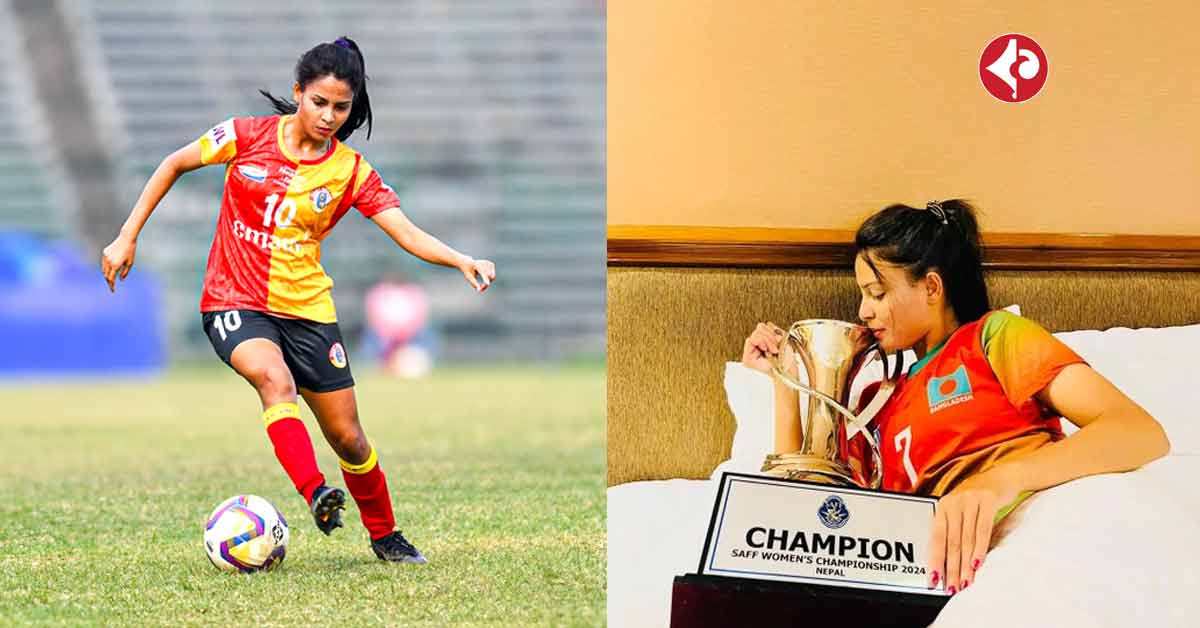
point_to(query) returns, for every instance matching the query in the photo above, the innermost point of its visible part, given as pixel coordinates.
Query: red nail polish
(936, 577)
(964, 585)
(975, 565)
(953, 591)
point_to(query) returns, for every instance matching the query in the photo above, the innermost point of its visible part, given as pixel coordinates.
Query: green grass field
(496, 473)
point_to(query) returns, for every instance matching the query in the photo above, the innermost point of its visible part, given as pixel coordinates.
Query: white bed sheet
(1113, 550)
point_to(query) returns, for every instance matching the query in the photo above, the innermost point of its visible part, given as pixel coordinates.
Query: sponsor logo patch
(337, 355)
(289, 179)
(269, 241)
(254, 173)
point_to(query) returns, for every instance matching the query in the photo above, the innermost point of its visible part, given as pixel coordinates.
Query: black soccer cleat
(395, 548)
(327, 505)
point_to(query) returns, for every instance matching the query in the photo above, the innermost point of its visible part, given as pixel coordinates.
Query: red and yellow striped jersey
(967, 405)
(275, 211)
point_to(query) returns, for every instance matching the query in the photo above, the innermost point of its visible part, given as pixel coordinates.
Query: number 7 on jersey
(903, 445)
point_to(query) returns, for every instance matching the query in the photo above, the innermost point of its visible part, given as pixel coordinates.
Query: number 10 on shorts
(228, 323)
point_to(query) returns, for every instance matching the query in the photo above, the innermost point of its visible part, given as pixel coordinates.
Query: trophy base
(701, 601)
(808, 468)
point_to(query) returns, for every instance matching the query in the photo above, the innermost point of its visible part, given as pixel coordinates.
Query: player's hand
(962, 527)
(117, 259)
(762, 345)
(479, 272)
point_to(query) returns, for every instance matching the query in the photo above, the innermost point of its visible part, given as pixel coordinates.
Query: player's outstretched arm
(117, 258)
(479, 272)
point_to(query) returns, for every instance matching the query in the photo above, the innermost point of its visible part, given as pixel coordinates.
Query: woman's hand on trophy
(962, 527)
(761, 346)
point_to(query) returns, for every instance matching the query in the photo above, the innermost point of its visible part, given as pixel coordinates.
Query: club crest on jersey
(254, 173)
(320, 198)
(337, 355)
(833, 512)
(949, 390)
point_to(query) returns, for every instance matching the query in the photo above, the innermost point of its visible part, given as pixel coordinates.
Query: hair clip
(936, 208)
(342, 41)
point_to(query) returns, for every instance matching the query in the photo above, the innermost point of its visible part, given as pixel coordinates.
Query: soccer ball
(246, 533)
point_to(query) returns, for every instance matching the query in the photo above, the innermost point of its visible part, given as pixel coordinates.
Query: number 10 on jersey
(283, 215)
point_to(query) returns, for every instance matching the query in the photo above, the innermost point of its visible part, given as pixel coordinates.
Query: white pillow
(1154, 366)
(751, 398)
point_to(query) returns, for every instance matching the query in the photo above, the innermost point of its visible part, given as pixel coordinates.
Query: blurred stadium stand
(489, 123)
(35, 192)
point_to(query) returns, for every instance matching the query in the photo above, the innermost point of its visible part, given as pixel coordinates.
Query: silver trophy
(831, 352)
(772, 529)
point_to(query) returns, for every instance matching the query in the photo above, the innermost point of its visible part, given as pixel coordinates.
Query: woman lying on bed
(975, 420)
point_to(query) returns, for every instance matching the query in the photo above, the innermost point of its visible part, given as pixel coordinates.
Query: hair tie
(343, 42)
(935, 207)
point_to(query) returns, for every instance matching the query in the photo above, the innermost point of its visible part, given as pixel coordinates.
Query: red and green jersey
(275, 211)
(968, 404)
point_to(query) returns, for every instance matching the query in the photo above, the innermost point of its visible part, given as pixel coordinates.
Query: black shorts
(312, 351)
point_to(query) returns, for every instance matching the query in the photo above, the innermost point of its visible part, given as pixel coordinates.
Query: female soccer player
(266, 305)
(976, 420)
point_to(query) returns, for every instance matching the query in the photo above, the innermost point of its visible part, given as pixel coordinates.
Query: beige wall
(810, 114)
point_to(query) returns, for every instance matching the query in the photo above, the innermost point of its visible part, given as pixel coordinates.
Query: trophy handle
(886, 388)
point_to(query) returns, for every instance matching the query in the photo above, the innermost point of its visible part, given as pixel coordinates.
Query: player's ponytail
(343, 60)
(360, 110)
(944, 237)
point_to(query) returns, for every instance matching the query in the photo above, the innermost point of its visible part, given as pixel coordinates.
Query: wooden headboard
(682, 299)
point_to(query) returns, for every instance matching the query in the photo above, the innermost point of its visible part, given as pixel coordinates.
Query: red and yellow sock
(368, 486)
(293, 447)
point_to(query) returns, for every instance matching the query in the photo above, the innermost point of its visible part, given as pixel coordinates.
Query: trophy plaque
(786, 530)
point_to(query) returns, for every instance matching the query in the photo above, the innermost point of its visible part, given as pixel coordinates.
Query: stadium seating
(34, 194)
